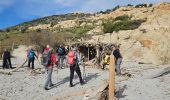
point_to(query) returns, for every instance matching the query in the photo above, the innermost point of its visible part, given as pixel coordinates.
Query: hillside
(141, 30)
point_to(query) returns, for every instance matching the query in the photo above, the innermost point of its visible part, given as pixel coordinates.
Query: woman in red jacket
(53, 61)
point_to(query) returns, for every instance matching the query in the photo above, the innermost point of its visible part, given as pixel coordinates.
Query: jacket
(53, 61)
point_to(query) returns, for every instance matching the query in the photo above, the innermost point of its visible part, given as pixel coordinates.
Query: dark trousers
(7, 63)
(75, 67)
(31, 60)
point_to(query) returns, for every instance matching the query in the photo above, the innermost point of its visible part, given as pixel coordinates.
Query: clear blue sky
(13, 12)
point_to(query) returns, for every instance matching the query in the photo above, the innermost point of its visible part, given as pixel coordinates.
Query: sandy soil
(24, 85)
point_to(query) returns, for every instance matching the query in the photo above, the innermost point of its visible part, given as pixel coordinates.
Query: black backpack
(45, 60)
(60, 51)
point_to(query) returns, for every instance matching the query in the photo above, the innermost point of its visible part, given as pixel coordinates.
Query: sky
(13, 12)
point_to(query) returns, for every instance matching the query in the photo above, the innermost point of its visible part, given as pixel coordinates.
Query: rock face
(150, 43)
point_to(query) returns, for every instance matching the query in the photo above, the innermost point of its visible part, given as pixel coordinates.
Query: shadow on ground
(67, 79)
(119, 93)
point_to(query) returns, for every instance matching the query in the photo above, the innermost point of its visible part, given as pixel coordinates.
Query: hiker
(6, 59)
(52, 61)
(45, 57)
(118, 59)
(73, 61)
(31, 57)
(61, 56)
(47, 48)
(106, 60)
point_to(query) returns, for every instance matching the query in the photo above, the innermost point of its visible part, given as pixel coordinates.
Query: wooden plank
(111, 77)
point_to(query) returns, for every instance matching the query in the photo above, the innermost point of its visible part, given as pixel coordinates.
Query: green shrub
(121, 23)
(108, 27)
(75, 30)
(123, 18)
(141, 5)
(115, 8)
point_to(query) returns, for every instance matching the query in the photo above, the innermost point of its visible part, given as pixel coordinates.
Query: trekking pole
(38, 61)
(84, 71)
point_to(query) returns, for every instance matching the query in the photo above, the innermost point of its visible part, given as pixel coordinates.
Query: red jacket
(53, 59)
(46, 49)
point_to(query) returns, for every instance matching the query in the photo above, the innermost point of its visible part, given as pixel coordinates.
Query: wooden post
(111, 77)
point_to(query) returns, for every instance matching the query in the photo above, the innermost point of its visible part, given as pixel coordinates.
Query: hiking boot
(51, 85)
(71, 85)
(46, 88)
(82, 83)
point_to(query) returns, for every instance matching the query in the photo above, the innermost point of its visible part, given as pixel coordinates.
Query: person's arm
(35, 55)
(9, 54)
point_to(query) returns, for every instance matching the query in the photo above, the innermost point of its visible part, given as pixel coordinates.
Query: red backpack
(71, 55)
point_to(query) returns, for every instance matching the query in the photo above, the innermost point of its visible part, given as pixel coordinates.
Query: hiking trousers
(31, 60)
(49, 80)
(75, 67)
(118, 63)
(61, 59)
(7, 63)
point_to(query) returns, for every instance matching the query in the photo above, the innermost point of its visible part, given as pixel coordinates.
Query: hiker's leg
(62, 59)
(9, 61)
(59, 59)
(48, 78)
(29, 61)
(79, 73)
(72, 67)
(118, 63)
(4, 63)
(33, 63)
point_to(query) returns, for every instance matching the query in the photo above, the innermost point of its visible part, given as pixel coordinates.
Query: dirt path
(24, 85)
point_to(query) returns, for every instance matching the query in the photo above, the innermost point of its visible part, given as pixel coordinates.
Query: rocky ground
(135, 84)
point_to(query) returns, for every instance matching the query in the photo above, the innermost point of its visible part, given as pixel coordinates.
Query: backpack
(45, 60)
(107, 59)
(71, 55)
(31, 54)
(60, 51)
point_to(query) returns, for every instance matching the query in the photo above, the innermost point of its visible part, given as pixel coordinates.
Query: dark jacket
(6, 55)
(117, 54)
(63, 51)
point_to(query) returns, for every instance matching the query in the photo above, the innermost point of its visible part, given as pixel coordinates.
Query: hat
(48, 46)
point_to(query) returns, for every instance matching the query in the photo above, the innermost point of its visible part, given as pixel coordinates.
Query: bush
(115, 8)
(3, 36)
(129, 5)
(123, 18)
(108, 27)
(141, 5)
(121, 23)
(150, 5)
(75, 30)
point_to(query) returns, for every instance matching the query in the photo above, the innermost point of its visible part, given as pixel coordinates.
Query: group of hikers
(51, 58)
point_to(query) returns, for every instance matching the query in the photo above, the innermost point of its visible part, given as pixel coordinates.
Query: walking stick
(84, 71)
